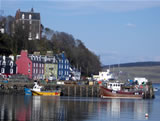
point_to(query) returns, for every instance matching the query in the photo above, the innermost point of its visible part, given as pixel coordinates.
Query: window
(33, 70)
(23, 16)
(29, 64)
(11, 71)
(23, 27)
(29, 71)
(11, 63)
(30, 22)
(30, 34)
(4, 63)
(37, 36)
(30, 16)
(2, 70)
(30, 27)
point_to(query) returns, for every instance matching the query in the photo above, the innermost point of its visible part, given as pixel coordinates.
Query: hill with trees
(149, 70)
(77, 53)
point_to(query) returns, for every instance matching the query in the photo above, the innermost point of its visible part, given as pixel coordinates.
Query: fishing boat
(38, 90)
(114, 90)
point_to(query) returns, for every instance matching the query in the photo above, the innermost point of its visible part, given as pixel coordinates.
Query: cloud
(131, 25)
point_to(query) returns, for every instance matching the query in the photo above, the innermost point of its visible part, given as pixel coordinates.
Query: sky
(119, 31)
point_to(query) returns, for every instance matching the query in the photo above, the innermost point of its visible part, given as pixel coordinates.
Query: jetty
(89, 89)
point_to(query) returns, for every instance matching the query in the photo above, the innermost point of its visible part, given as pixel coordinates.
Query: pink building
(30, 65)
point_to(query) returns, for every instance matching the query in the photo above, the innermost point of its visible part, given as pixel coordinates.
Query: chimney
(32, 10)
(24, 53)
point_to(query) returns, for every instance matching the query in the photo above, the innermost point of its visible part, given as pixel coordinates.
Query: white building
(104, 76)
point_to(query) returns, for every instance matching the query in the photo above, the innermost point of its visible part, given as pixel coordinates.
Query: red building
(30, 65)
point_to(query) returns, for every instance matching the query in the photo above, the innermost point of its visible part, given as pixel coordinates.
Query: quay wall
(66, 90)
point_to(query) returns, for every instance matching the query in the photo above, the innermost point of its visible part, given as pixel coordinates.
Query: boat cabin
(114, 85)
(36, 87)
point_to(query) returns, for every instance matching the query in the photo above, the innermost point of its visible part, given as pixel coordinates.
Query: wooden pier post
(75, 91)
(80, 91)
(92, 91)
(86, 91)
(97, 91)
(68, 90)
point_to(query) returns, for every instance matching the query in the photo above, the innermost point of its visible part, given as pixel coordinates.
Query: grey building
(30, 21)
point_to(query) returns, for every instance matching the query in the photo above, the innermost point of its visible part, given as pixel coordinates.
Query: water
(48, 108)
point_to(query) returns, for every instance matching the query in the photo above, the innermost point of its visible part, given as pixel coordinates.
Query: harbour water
(48, 108)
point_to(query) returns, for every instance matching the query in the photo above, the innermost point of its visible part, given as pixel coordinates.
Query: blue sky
(119, 31)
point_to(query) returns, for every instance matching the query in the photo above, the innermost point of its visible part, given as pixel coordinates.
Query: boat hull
(27, 91)
(45, 93)
(108, 93)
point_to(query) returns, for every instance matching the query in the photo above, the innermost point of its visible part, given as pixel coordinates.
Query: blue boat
(27, 91)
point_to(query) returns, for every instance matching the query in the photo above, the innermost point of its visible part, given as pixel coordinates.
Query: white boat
(37, 90)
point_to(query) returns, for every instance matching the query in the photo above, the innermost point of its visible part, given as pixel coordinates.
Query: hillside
(143, 69)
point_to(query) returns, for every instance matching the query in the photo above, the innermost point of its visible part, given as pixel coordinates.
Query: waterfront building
(30, 65)
(104, 76)
(50, 67)
(29, 21)
(63, 66)
(75, 74)
(7, 66)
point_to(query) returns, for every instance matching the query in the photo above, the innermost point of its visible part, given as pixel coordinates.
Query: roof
(35, 16)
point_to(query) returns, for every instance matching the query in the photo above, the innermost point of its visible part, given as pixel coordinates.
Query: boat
(27, 91)
(114, 90)
(38, 90)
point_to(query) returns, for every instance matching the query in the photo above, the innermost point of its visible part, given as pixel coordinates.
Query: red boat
(108, 92)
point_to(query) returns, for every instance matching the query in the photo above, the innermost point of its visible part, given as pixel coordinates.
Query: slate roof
(35, 16)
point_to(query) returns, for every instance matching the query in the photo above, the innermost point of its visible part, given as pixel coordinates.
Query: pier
(66, 90)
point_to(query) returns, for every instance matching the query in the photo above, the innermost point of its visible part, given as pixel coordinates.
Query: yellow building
(50, 68)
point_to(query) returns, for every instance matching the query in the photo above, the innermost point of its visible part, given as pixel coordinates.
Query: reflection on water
(48, 108)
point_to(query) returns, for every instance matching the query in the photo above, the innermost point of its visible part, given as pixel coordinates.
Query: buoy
(146, 115)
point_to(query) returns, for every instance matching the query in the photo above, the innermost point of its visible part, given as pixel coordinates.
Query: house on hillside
(29, 21)
(63, 66)
(7, 66)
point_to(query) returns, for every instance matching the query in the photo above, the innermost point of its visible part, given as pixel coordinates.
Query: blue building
(63, 67)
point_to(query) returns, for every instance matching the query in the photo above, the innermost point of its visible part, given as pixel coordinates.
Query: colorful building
(30, 65)
(7, 66)
(63, 67)
(37, 66)
(50, 67)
